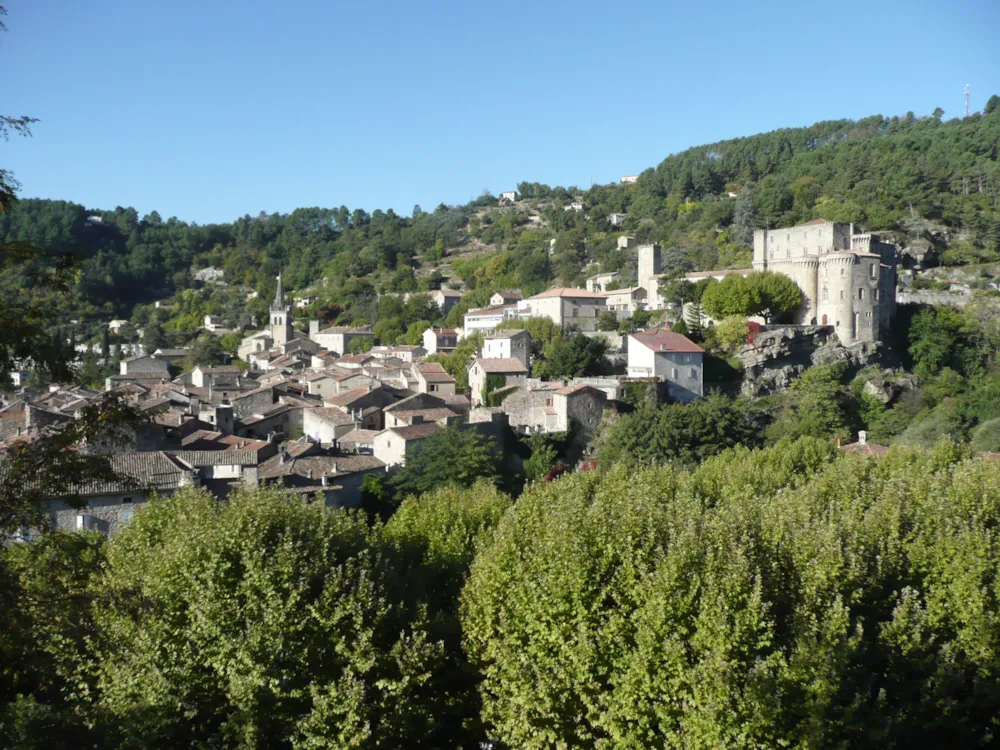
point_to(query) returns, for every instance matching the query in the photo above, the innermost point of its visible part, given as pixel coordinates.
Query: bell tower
(281, 324)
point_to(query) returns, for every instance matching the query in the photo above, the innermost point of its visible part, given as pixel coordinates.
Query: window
(841, 273)
(788, 252)
(687, 358)
(788, 236)
(873, 269)
(868, 314)
(861, 293)
(673, 373)
(826, 294)
(842, 294)
(772, 253)
(805, 234)
(548, 401)
(694, 373)
(875, 294)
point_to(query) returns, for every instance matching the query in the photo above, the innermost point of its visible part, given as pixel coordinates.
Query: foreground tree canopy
(784, 598)
(793, 596)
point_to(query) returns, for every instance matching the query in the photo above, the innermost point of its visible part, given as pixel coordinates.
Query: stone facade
(848, 279)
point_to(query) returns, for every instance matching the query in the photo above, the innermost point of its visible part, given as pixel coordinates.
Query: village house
(567, 308)
(431, 377)
(508, 198)
(669, 357)
(337, 479)
(212, 322)
(601, 281)
(111, 504)
(445, 299)
(488, 318)
(338, 338)
(358, 441)
(617, 219)
(627, 300)
(508, 344)
(418, 408)
(326, 424)
(509, 297)
(304, 302)
(150, 366)
(505, 372)
(393, 445)
(551, 407)
(630, 179)
(440, 340)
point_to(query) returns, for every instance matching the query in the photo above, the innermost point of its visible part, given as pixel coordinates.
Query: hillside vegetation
(880, 172)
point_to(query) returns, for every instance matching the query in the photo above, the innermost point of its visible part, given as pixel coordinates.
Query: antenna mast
(966, 100)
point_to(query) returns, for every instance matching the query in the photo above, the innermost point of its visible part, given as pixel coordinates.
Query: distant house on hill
(508, 198)
(669, 357)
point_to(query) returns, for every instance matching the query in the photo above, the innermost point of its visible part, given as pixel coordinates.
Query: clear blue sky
(212, 109)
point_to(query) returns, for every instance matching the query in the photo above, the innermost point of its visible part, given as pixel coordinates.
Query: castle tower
(281, 324)
(650, 263)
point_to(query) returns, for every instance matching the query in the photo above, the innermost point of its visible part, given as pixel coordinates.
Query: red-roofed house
(669, 357)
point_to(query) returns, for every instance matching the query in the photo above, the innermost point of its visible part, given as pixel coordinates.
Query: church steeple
(279, 298)
(281, 326)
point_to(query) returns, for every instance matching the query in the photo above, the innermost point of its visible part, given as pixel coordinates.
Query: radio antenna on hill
(966, 100)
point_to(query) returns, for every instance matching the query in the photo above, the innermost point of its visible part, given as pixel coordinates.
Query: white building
(508, 344)
(212, 322)
(629, 179)
(617, 219)
(488, 318)
(440, 340)
(668, 357)
(508, 197)
(303, 302)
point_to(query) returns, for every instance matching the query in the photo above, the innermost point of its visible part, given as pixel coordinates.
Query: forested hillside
(880, 172)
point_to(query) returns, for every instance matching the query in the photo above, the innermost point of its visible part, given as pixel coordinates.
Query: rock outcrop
(780, 354)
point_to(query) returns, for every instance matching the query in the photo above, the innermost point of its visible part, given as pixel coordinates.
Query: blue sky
(212, 109)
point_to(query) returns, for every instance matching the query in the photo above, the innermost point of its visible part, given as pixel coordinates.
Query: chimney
(862, 437)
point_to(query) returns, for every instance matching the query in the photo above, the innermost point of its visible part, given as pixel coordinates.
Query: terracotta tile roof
(316, 467)
(865, 449)
(663, 340)
(348, 397)
(814, 221)
(565, 291)
(507, 365)
(358, 359)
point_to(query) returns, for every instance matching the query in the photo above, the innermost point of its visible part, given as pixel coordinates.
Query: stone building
(512, 371)
(848, 279)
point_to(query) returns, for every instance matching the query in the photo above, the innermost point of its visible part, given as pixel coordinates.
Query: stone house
(669, 357)
(508, 344)
(111, 504)
(617, 219)
(627, 300)
(393, 445)
(553, 407)
(337, 478)
(511, 371)
(566, 307)
(338, 338)
(145, 365)
(358, 441)
(326, 424)
(431, 377)
(509, 297)
(600, 282)
(321, 384)
(507, 198)
(445, 299)
(440, 340)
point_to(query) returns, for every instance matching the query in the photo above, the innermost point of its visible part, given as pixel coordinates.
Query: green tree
(766, 293)
(153, 337)
(453, 456)
(817, 405)
(206, 351)
(607, 321)
(574, 356)
(670, 608)
(272, 623)
(360, 345)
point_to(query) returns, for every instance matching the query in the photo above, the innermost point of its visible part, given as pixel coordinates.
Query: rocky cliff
(780, 354)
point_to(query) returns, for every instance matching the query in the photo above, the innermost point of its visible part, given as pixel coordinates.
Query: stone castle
(848, 279)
